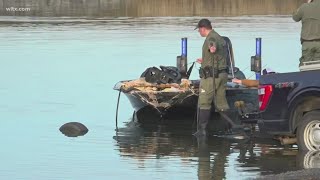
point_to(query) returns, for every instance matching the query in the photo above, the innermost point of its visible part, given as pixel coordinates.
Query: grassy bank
(143, 8)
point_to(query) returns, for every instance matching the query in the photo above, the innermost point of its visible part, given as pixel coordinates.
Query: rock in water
(73, 129)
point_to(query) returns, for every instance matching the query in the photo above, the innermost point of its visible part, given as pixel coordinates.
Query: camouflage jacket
(217, 59)
(309, 14)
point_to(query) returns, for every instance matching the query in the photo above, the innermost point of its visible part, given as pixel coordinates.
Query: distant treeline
(143, 8)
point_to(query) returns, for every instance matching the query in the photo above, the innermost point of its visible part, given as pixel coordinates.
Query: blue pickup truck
(290, 107)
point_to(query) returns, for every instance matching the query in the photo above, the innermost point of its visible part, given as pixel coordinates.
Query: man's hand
(237, 81)
(199, 60)
(212, 49)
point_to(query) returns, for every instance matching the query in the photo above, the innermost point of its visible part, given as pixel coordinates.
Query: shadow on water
(213, 156)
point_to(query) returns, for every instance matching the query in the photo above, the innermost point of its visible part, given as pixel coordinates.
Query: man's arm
(246, 82)
(297, 15)
(212, 45)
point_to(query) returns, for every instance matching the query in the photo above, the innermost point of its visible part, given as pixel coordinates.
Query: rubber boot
(202, 122)
(228, 119)
(236, 131)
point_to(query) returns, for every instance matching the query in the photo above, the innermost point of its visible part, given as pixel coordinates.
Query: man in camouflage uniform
(213, 74)
(309, 14)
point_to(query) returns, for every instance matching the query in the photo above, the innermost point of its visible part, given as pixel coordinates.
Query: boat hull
(165, 104)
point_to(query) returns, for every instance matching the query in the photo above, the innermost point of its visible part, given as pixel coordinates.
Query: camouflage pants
(310, 51)
(206, 94)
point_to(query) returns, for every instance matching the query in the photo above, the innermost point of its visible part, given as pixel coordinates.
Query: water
(60, 70)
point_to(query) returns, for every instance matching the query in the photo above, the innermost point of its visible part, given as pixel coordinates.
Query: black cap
(204, 23)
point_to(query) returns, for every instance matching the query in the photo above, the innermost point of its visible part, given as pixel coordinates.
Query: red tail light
(265, 92)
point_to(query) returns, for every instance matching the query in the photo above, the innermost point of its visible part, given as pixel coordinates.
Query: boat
(173, 98)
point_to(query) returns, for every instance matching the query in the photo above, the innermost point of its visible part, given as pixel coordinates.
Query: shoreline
(147, 8)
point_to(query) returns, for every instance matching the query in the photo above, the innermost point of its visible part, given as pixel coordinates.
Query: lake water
(58, 70)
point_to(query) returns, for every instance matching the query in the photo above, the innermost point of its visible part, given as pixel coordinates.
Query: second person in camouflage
(309, 14)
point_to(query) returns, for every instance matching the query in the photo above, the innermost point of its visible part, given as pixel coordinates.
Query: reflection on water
(309, 159)
(142, 8)
(214, 158)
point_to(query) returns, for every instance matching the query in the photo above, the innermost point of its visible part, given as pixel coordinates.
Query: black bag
(172, 74)
(152, 75)
(167, 74)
